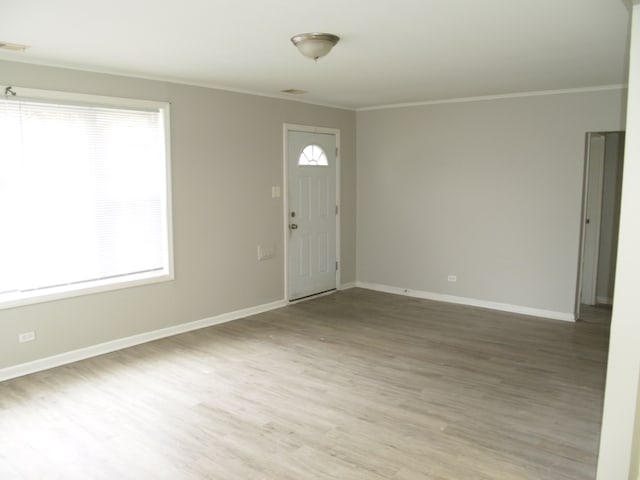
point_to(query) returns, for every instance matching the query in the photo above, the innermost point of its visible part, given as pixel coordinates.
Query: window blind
(83, 196)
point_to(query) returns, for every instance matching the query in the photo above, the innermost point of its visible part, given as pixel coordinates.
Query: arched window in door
(313, 156)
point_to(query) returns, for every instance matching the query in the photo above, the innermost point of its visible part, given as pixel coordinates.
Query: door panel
(311, 216)
(595, 170)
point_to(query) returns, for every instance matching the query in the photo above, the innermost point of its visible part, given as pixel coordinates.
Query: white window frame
(134, 280)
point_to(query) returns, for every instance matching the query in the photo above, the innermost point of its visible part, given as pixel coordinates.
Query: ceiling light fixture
(315, 45)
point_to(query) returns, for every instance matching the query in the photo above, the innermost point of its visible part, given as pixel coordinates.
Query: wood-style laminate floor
(356, 385)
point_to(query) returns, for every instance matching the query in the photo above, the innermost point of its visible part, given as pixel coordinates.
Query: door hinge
(337, 266)
(336, 151)
(336, 209)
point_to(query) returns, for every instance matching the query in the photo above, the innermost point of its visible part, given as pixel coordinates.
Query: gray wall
(490, 191)
(611, 190)
(226, 152)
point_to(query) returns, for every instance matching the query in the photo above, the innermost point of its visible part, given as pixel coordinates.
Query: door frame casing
(583, 218)
(593, 192)
(292, 127)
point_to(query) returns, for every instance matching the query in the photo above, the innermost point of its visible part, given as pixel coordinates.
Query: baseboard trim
(604, 300)
(126, 342)
(473, 302)
(347, 286)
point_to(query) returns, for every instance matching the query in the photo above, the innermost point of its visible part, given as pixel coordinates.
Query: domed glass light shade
(315, 45)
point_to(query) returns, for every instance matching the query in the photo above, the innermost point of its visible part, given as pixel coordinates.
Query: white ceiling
(391, 51)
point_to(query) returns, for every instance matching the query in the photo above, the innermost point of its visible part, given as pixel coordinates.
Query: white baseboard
(440, 297)
(604, 300)
(121, 343)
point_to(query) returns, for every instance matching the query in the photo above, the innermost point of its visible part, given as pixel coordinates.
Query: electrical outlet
(26, 337)
(452, 278)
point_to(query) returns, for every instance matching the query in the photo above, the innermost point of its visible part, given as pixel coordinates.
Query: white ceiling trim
(483, 98)
(175, 81)
(302, 100)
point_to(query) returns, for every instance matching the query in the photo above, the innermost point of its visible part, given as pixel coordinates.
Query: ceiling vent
(13, 47)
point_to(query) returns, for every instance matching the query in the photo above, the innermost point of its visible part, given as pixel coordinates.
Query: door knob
(293, 226)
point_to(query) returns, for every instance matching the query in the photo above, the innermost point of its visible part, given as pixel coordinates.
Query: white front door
(311, 213)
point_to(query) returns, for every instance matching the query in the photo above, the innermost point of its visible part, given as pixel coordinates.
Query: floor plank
(355, 385)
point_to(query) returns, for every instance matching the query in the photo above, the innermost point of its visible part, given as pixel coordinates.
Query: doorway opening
(604, 158)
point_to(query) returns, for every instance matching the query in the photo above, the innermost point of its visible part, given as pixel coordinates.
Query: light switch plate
(265, 253)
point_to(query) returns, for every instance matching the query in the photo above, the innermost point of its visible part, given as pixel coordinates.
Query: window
(313, 155)
(84, 195)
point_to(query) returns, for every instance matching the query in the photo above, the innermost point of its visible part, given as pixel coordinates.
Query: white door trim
(587, 192)
(594, 197)
(288, 127)
(583, 216)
